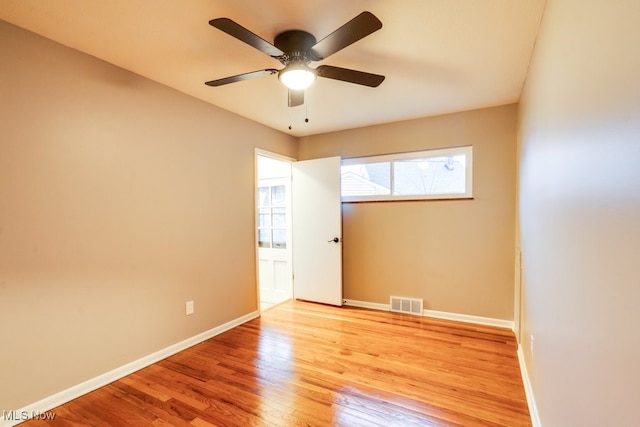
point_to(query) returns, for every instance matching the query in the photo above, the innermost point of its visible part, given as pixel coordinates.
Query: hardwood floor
(304, 364)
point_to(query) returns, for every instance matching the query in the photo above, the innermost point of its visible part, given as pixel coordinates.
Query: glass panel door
(273, 222)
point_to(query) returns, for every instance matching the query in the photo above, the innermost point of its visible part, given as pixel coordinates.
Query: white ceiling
(438, 56)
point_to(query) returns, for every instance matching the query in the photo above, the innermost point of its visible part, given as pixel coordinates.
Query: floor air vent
(406, 305)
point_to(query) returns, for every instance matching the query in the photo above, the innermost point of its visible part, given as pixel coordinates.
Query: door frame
(275, 156)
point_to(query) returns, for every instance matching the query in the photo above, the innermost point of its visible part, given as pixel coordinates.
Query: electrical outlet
(189, 307)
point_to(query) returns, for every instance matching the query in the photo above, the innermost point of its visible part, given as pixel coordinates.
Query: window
(272, 217)
(434, 174)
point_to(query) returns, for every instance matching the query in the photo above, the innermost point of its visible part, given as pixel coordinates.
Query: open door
(317, 231)
(273, 221)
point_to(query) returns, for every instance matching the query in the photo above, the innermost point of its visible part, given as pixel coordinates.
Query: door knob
(334, 240)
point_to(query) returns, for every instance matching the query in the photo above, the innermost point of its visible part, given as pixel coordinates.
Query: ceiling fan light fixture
(297, 76)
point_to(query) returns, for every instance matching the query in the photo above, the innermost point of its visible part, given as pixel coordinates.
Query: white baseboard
(531, 401)
(48, 403)
(478, 320)
(366, 304)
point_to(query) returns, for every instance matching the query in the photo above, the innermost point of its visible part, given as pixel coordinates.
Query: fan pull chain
(306, 113)
(306, 109)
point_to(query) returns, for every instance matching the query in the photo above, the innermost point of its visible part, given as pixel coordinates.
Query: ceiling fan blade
(240, 77)
(359, 27)
(238, 31)
(350, 76)
(296, 97)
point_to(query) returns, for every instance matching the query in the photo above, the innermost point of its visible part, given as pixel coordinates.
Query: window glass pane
(278, 195)
(429, 175)
(443, 173)
(264, 217)
(279, 238)
(263, 196)
(279, 217)
(366, 179)
(264, 238)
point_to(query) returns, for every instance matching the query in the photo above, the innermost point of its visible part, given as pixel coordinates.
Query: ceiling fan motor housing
(296, 45)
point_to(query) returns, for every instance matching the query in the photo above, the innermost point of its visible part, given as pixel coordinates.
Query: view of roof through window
(406, 175)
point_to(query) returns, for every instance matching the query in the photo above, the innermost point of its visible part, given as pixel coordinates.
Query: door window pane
(279, 238)
(279, 217)
(278, 196)
(263, 196)
(264, 217)
(264, 238)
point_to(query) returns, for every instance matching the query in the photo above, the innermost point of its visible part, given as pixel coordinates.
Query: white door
(274, 230)
(317, 231)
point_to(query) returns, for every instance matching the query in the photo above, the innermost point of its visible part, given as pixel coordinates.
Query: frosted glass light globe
(297, 77)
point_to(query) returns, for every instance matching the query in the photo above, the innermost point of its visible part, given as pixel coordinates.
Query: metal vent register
(406, 305)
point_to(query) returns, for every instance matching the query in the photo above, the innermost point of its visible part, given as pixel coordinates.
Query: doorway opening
(273, 229)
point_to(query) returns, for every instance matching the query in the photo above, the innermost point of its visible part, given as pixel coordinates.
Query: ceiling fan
(295, 49)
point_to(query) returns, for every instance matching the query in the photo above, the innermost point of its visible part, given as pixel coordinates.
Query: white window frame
(466, 150)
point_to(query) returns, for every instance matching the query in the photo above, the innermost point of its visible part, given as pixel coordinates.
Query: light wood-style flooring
(305, 364)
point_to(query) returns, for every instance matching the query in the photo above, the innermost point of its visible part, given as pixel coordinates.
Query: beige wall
(580, 214)
(456, 255)
(120, 199)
